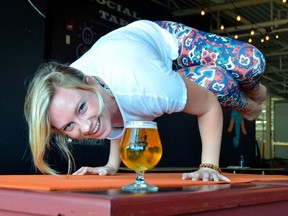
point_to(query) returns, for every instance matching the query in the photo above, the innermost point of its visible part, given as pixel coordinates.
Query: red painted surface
(220, 199)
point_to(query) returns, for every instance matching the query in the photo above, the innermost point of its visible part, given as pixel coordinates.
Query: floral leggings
(220, 64)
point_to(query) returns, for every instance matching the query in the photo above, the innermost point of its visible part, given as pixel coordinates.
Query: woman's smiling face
(75, 112)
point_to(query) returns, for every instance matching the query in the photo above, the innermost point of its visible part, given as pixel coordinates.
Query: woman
(128, 75)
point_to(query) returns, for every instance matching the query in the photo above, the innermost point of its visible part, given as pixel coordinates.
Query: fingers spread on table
(86, 171)
(205, 175)
(224, 178)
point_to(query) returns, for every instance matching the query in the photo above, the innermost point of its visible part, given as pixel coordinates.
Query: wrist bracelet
(211, 166)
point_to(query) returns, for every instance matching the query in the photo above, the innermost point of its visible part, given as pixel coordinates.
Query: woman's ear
(90, 80)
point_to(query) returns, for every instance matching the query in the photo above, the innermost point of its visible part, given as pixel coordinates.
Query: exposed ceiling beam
(255, 26)
(165, 4)
(190, 11)
(259, 32)
(277, 54)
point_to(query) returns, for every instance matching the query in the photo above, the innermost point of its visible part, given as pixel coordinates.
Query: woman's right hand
(102, 171)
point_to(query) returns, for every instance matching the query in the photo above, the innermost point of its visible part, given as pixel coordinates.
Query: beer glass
(140, 150)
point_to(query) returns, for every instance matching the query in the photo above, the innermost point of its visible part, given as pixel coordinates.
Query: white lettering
(111, 5)
(127, 12)
(114, 6)
(99, 1)
(111, 18)
(103, 15)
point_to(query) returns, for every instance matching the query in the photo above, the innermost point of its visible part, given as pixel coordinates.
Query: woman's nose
(85, 126)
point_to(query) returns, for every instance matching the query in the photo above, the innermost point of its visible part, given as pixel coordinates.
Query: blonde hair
(37, 101)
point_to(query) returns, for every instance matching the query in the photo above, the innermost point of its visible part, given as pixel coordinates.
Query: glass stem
(140, 177)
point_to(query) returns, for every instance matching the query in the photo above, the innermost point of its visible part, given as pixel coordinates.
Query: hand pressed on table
(206, 174)
(104, 170)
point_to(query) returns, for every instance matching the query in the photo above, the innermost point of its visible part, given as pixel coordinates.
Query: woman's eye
(69, 127)
(82, 108)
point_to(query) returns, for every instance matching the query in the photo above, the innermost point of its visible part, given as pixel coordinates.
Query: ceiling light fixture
(202, 12)
(238, 17)
(276, 35)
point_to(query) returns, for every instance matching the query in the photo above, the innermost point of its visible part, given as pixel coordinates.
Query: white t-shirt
(135, 62)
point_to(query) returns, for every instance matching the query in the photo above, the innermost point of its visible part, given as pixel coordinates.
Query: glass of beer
(140, 150)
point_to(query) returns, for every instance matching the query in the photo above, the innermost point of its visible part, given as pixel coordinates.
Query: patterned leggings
(220, 64)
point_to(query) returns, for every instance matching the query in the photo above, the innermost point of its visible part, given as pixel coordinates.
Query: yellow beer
(141, 148)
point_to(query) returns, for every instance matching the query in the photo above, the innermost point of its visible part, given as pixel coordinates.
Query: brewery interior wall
(28, 39)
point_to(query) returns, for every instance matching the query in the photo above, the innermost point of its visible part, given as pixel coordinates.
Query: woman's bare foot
(251, 111)
(258, 94)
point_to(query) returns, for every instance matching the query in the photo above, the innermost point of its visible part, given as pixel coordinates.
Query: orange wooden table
(102, 195)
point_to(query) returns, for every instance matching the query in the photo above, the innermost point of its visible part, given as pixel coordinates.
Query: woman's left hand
(206, 174)
(104, 170)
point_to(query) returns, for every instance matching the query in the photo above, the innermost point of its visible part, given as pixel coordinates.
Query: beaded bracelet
(211, 166)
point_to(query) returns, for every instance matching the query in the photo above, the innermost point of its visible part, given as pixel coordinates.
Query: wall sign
(74, 26)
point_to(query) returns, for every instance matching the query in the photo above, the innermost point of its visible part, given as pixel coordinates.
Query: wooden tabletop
(247, 199)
